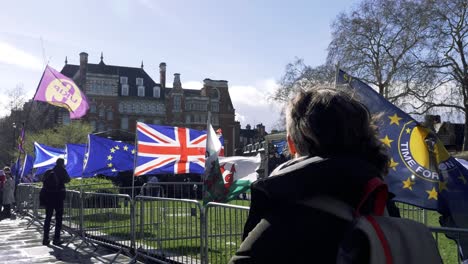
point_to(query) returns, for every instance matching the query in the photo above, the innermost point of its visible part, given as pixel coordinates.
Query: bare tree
(298, 75)
(448, 49)
(381, 42)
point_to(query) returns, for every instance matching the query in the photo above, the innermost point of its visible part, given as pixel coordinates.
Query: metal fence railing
(169, 229)
(174, 230)
(224, 227)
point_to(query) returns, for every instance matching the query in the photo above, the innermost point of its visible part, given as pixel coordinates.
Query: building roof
(131, 73)
(187, 92)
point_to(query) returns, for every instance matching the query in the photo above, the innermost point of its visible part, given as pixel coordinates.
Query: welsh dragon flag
(226, 177)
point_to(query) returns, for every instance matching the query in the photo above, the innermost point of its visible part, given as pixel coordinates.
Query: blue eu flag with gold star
(107, 157)
(422, 172)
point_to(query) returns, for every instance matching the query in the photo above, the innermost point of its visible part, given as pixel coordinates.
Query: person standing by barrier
(8, 194)
(54, 192)
(337, 152)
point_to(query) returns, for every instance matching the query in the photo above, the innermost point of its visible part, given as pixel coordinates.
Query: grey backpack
(378, 238)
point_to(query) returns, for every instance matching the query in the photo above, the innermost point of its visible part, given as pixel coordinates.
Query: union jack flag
(164, 149)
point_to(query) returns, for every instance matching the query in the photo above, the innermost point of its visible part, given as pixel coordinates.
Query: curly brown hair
(329, 122)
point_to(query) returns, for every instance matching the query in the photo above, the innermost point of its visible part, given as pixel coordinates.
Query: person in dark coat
(8, 194)
(54, 195)
(334, 141)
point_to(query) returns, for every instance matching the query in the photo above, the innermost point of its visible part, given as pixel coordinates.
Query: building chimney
(162, 74)
(83, 68)
(177, 84)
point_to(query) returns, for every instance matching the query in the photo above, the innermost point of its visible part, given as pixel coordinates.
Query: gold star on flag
(462, 178)
(117, 147)
(109, 165)
(112, 150)
(125, 147)
(133, 151)
(432, 194)
(408, 131)
(395, 119)
(109, 157)
(386, 141)
(442, 186)
(408, 184)
(393, 164)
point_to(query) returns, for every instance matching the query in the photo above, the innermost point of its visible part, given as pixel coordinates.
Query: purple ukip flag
(59, 90)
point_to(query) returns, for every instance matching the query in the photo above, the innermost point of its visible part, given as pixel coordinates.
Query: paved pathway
(19, 244)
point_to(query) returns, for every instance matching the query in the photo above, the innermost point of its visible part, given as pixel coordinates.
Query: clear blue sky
(245, 42)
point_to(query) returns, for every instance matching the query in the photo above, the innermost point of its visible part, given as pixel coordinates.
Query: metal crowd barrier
(107, 219)
(178, 190)
(224, 228)
(169, 229)
(172, 230)
(412, 212)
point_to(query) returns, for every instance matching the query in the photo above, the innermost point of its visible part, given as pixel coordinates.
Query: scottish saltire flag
(174, 150)
(107, 157)
(46, 157)
(59, 90)
(75, 157)
(219, 133)
(27, 168)
(415, 177)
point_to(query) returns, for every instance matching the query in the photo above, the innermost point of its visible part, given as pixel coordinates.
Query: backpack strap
(378, 189)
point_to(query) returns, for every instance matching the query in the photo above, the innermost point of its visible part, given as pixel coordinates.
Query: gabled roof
(131, 73)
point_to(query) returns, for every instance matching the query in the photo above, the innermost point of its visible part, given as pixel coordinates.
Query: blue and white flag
(27, 168)
(107, 157)
(75, 157)
(46, 157)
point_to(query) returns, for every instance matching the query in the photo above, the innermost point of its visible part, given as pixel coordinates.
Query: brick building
(120, 96)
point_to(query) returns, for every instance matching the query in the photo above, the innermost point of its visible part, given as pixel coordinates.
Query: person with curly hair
(333, 139)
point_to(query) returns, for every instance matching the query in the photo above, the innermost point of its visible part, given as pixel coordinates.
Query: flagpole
(134, 161)
(208, 122)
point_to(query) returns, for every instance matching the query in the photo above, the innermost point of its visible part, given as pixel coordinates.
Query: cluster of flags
(159, 150)
(422, 172)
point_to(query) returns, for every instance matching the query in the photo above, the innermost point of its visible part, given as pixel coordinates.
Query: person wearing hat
(8, 193)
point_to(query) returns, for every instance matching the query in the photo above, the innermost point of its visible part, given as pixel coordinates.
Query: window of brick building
(124, 122)
(141, 91)
(156, 92)
(125, 89)
(177, 103)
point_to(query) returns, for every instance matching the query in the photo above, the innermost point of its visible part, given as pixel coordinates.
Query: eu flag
(107, 157)
(422, 172)
(75, 157)
(46, 157)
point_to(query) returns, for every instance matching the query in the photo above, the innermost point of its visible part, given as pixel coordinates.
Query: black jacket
(280, 230)
(54, 184)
